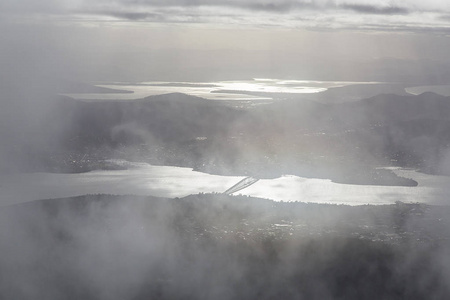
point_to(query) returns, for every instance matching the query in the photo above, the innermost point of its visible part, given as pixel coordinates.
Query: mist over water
(166, 181)
(114, 158)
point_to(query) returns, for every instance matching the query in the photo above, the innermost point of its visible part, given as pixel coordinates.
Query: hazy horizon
(371, 40)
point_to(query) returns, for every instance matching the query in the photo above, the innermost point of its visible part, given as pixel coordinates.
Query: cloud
(363, 6)
(310, 14)
(445, 17)
(132, 16)
(371, 9)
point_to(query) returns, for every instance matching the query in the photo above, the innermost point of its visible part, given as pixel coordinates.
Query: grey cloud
(258, 5)
(279, 7)
(68, 6)
(371, 6)
(273, 7)
(310, 14)
(371, 9)
(206, 11)
(133, 16)
(435, 30)
(445, 18)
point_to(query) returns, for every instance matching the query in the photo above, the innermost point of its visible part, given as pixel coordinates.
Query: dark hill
(167, 118)
(221, 247)
(345, 142)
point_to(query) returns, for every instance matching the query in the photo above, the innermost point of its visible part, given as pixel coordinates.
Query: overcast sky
(201, 39)
(411, 15)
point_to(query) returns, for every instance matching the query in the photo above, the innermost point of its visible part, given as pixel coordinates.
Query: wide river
(166, 181)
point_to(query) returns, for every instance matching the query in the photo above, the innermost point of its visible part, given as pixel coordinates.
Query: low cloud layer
(294, 13)
(372, 9)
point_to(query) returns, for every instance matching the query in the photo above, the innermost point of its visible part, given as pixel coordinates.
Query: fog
(340, 142)
(104, 247)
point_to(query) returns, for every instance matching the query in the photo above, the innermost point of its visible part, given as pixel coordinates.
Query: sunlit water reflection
(220, 90)
(166, 181)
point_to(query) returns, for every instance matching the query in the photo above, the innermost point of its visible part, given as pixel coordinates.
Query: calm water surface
(166, 181)
(220, 90)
